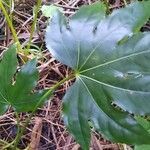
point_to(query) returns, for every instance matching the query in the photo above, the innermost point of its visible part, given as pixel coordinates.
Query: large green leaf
(16, 90)
(146, 124)
(110, 58)
(142, 147)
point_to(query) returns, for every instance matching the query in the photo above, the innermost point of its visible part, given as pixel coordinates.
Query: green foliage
(143, 122)
(142, 147)
(16, 88)
(110, 58)
(146, 124)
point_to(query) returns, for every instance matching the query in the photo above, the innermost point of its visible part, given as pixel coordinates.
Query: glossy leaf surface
(146, 124)
(16, 88)
(110, 58)
(142, 147)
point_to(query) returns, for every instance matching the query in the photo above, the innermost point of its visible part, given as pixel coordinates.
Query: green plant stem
(48, 93)
(7, 145)
(39, 2)
(3, 142)
(9, 22)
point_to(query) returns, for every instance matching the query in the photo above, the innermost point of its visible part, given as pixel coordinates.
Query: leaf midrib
(115, 60)
(114, 87)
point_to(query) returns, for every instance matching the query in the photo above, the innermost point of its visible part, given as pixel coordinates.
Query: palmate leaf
(18, 93)
(110, 58)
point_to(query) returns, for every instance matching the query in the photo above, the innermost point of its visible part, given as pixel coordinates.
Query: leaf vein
(114, 87)
(115, 60)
